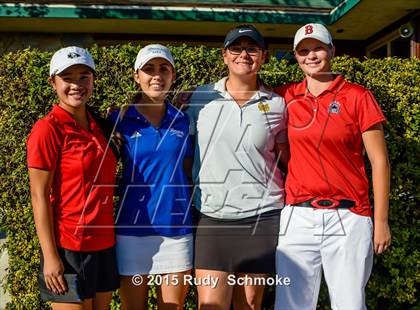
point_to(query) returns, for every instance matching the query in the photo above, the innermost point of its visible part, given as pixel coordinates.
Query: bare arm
(40, 181)
(374, 142)
(188, 162)
(282, 155)
(189, 159)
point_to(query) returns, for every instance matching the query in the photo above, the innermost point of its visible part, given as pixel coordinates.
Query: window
(281, 51)
(400, 47)
(390, 45)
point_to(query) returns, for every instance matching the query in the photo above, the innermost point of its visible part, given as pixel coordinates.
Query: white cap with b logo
(314, 31)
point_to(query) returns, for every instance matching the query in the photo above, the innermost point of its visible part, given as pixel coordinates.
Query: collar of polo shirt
(263, 92)
(171, 112)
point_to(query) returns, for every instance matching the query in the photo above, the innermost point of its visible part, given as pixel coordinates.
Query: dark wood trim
(415, 39)
(391, 27)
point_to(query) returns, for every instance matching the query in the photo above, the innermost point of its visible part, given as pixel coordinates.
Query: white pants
(337, 240)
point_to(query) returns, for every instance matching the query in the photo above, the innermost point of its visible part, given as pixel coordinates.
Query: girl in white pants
(326, 223)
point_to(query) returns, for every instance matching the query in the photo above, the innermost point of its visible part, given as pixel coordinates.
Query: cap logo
(244, 30)
(309, 29)
(155, 50)
(73, 55)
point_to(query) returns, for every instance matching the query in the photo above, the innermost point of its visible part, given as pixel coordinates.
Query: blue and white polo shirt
(154, 191)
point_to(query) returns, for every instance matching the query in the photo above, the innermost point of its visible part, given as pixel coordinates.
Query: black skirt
(239, 246)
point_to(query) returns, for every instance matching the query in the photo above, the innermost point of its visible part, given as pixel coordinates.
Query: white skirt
(154, 254)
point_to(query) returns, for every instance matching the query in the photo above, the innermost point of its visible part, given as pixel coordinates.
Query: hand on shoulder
(182, 99)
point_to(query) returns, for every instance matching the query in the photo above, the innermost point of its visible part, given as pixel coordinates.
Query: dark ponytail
(106, 127)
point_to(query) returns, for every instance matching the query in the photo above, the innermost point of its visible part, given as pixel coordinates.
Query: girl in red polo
(326, 226)
(72, 177)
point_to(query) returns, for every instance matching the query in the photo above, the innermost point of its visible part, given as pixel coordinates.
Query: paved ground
(4, 261)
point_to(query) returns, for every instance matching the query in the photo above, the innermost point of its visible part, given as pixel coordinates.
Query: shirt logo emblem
(263, 107)
(334, 107)
(73, 55)
(177, 133)
(136, 134)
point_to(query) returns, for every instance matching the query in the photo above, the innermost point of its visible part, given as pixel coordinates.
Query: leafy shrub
(25, 96)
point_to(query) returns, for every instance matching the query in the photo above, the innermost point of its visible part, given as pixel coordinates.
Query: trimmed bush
(25, 96)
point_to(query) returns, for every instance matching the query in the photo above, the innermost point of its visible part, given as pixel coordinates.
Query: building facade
(361, 28)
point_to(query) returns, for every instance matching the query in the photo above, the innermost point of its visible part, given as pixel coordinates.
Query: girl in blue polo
(153, 223)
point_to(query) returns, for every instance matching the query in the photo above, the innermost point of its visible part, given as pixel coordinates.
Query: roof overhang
(347, 19)
(266, 14)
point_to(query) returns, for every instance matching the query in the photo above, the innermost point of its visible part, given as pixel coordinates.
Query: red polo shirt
(84, 179)
(326, 146)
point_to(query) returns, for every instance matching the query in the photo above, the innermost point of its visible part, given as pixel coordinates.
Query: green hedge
(25, 96)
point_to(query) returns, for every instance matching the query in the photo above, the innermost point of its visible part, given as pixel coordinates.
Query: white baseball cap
(314, 31)
(153, 51)
(69, 56)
